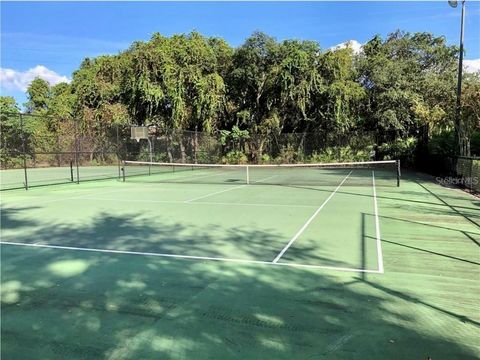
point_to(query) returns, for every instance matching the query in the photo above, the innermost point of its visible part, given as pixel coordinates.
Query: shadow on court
(60, 304)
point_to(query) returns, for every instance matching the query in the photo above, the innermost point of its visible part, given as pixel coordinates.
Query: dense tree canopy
(393, 88)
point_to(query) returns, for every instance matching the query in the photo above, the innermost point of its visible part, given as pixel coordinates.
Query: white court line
(302, 229)
(245, 261)
(214, 193)
(39, 200)
(377, 227)
(82, 196)
(181, 178)
(198, 202)
(230, 189)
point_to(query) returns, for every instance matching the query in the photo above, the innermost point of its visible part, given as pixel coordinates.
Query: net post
(71, 170)
(248, 175)
(124, 164)
(398, 173)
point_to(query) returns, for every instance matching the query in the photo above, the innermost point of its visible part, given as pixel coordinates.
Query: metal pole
(459, 133)
(195, 145)
(77, 147)
(24, 152)
(118, 152)
(398, 173)
(150, 149)
(151, 156)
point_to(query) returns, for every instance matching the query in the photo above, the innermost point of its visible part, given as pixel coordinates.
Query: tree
(395, 89)
(252, 83)
(11, 133)
(470, 109)
(408, 79)
(38, 95)
(8, 105)
(339, 102)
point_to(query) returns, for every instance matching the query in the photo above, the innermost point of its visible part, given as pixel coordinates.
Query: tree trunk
(182, 149)
(169, 148)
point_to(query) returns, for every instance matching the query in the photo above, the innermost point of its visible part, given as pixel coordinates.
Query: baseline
(192, 257)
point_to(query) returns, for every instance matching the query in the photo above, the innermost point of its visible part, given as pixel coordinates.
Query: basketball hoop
(138, 133)
(141, 132)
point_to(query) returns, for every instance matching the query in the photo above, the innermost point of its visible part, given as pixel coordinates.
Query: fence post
(195, 145)
(58, 150)
(76, 150)
(118, 151)
(398, 173)
(24, 150)
(471, 173)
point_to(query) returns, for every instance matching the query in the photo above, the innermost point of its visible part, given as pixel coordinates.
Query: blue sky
(50, 39)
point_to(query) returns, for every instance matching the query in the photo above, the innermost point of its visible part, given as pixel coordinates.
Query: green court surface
(187, 270)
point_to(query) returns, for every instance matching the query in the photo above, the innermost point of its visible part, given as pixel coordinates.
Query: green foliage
(266, 159)
(475, 144)
(248, 96)
(410, 82)
(289, 155)
(235, 157)
(208, 157)
(8, 105)
(402, 149)
(341, 154)
(470, 111)
(38, 94)
(10, 134)
(233, 139)
(442, 143)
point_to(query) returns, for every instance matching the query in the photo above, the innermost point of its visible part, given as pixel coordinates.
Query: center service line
(309, 221)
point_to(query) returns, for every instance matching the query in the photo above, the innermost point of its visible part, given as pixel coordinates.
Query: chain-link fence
(467, 169)
(43, 150)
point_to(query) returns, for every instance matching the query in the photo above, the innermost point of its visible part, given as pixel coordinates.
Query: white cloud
(352, 44)
(471, 66)
(17, 80)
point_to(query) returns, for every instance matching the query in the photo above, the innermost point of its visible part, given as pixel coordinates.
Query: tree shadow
(77, 304)
(403, 199)
(9, 218)
(453, 208)
(430, 252)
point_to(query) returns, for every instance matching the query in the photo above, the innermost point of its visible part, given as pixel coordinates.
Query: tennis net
(387, 173)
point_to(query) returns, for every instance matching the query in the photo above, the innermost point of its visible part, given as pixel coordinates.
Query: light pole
(461, 145)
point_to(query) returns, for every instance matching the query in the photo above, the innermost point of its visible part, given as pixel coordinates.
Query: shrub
(442, 143)
(341, 154)
(235, 157)
(288, 155)
(400, 149)
(475, 144)
(265, 159)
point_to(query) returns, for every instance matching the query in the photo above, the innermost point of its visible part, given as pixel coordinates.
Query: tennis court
(241, 262)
